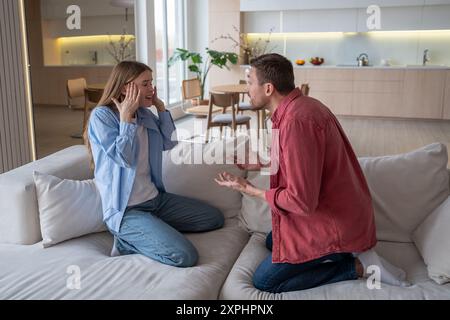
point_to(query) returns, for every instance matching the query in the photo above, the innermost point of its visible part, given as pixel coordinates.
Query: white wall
(197, 22)
(197, 25)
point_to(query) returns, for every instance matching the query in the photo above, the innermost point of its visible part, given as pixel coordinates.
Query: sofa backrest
(19, 214)
(405, 189)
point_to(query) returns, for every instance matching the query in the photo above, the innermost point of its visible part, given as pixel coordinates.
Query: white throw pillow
(432, 238)
(186, 174)
(406, 188)
(256, 215)
(67, 208)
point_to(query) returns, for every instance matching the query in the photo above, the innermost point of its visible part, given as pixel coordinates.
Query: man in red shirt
(322, 214)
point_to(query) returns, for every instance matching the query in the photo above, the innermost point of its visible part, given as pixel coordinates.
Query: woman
(126, 141)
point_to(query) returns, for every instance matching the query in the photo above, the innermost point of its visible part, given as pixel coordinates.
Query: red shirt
(319, 197)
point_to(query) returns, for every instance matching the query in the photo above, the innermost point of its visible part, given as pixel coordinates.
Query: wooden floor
(369, 136)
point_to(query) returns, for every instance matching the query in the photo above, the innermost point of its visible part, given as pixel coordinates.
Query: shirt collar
(281, 109)
(146, 118)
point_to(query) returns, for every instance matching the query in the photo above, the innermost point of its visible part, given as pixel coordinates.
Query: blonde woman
(126, 141)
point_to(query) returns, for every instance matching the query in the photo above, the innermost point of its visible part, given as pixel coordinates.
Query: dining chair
(246, 106)
(191, 90)
(225, 100)
(75, 89)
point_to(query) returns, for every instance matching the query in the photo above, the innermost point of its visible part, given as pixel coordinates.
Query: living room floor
(54, 126)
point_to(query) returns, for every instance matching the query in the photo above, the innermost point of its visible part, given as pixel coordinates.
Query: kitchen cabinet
(423, 95)
(261, 22)
(264, 5)
(446, 108)
(342, 20)
(393, 19)
(436, 17)
(420, 93)
(377, 92)
(334, 18)
(333, 87)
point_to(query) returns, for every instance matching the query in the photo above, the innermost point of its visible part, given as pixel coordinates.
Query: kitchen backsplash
(398, 47)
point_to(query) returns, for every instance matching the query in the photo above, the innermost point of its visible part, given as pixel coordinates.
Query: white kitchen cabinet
(436, 17)
(340, 20)
(393, 19)
(261, 22)
(286, 5)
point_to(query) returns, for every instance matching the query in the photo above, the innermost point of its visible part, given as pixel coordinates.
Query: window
(169, 28)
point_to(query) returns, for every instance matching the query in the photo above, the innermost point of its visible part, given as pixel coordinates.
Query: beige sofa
(407, 191)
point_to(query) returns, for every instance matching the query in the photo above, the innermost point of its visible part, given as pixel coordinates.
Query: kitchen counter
(394, 67)
(412, 91)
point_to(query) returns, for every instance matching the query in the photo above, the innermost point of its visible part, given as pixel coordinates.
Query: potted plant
(195, 64)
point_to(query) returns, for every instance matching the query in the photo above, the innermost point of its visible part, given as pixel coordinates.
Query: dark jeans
(283, 277)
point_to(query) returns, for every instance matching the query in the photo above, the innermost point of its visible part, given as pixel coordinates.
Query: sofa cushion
(19, 213)
(190, 168)
(406, 188)
(255, 212)
(31, 272)
(67, 208)
(239, 283)
(432, 238)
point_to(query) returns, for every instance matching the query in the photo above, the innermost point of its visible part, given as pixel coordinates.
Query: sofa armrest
(19, 213)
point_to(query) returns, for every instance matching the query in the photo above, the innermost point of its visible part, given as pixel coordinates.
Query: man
(322, 214)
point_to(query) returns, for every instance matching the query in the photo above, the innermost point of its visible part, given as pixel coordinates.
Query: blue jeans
(153, 228)
(283, 277)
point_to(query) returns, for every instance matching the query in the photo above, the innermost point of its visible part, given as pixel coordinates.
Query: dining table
(240, 88)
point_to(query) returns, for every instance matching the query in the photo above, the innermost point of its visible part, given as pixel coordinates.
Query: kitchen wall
(339, 32)
(399, 47)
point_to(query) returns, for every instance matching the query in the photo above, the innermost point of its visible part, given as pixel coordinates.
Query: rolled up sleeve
(302, 144)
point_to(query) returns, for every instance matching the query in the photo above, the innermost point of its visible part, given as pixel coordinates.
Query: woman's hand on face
(158, 103)
(130, 104)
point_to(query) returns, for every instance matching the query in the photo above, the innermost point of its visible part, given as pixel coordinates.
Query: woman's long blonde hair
(123, 73)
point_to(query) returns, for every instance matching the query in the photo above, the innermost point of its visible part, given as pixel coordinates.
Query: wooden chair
(75, 89)
(246, 106)
(191, 89)
(223, 101)
(92, 97)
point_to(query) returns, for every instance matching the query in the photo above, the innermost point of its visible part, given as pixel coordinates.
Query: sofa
(42, 251)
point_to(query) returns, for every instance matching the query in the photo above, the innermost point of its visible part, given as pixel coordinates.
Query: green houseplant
(195, 64)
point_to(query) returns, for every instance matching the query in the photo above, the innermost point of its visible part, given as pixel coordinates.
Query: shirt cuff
(270, 196)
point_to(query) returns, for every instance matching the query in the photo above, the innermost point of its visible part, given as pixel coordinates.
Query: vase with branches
(249, 49)
(195, 62)
(122, 49)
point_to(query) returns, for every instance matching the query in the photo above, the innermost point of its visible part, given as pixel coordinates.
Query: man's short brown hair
(276, 69)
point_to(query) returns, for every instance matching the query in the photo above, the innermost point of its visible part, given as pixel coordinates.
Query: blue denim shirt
(114, 149)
